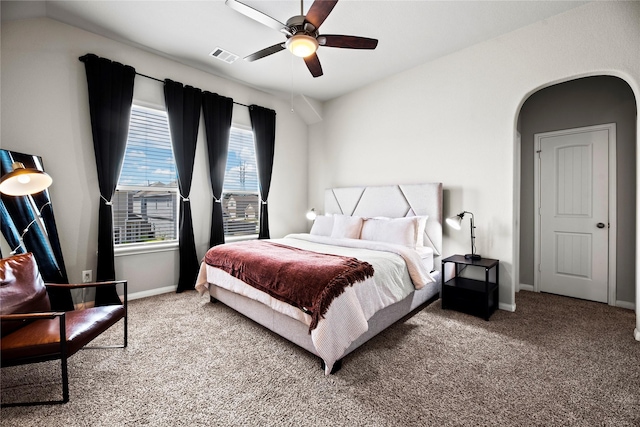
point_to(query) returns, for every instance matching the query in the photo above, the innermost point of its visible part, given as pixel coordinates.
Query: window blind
(240, 198)
(145, 206)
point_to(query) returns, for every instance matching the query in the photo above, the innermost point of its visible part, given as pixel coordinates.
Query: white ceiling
(409, 33)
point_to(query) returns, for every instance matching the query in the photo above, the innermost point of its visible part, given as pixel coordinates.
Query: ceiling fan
(301, 31)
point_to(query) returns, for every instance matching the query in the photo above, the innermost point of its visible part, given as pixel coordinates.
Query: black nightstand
(471, 296)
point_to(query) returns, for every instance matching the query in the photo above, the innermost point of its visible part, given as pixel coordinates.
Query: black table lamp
(456, 223)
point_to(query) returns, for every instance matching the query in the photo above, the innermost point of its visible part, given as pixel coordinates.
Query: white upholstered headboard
(394, 201)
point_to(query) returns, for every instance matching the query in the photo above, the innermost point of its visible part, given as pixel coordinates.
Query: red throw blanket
(307, 280)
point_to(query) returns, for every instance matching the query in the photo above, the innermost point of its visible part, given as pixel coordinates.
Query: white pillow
(399, 231)
(422, 225)
(346, 227)
(322, 226)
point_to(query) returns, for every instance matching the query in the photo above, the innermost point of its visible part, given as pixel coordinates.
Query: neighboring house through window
(145, 205)
(240, 194)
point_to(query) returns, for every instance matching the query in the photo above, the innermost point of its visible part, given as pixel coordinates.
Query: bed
(404, 278)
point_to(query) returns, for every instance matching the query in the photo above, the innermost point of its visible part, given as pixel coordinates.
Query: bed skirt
(298, 332)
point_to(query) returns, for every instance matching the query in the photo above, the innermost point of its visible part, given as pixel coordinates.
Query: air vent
(224, 55)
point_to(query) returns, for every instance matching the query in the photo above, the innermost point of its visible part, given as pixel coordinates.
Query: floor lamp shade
(22, 181)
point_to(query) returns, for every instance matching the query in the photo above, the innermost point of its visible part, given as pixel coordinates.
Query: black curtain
(183, 109)
(110, 97)
(35, 215)
(263, 123)
(217, 112)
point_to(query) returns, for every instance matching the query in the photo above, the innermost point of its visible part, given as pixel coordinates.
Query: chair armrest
(32, 316)
(85, 285)
(92, 285)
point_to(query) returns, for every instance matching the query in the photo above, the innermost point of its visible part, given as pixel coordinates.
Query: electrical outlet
(86, 276)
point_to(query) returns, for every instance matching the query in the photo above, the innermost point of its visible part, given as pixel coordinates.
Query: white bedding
(398, 271)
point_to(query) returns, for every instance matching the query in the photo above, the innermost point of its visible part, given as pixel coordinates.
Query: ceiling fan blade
(319, 11)
(349, 42)
(265, 52)
(256, 15)
(313, 64)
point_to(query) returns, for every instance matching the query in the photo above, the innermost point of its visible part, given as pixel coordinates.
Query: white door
(574, 212)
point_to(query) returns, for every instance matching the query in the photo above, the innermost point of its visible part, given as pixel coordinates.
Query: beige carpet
(554, 362)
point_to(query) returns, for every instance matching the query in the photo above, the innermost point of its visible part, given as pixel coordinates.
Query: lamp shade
(302, 45)
(22, 181)
(455, 222)
(311, 215)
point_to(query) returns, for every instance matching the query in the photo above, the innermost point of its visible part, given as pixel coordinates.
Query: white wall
(453, 120)
(45, 111)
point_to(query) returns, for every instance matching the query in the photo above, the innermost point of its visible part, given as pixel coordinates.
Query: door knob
(600, 225)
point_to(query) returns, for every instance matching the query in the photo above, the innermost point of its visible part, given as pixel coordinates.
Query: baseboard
(507, 307)
(636, 334)
(152, 292)
(621, 304)
(626, 304)
(135, 295)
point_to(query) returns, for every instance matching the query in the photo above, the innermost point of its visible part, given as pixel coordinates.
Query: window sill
(229, 239)
(145, 248)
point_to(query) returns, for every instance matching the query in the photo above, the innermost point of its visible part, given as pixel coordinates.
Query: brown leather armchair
(32, 333)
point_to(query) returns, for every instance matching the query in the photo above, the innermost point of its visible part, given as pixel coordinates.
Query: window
(240, 194)
(145, 206)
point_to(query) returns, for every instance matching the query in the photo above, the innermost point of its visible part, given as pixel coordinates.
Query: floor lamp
(23, 181)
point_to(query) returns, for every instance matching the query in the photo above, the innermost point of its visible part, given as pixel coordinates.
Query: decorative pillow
(399, 231)
(346, 227)
(322, 225)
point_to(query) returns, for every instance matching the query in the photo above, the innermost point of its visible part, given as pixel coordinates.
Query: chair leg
(126, 315)
(65, 379)
(63, 359)
(63, 369)
(65, 390)
(103, 347)
(125, 330)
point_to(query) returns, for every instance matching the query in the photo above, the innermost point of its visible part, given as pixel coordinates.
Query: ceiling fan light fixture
(302, 45)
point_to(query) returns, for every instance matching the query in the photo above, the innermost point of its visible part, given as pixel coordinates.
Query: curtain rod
(83, 59)
(162, 81)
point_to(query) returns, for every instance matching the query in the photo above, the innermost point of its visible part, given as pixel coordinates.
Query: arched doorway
(573, 104)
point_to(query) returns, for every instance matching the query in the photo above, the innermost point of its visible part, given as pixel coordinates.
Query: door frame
(611, 263)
